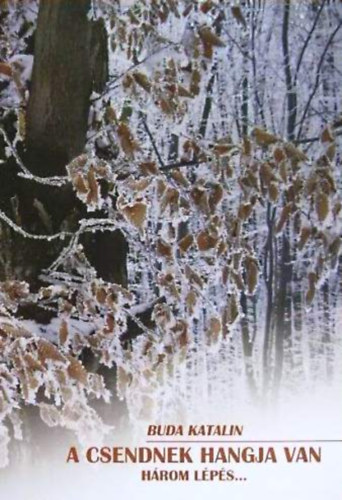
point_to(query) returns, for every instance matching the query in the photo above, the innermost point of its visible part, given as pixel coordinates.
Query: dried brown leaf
(93, 193)
(215, 196)
(304, 236)
(245, 210)
(47, 351)
(101, 295)
(184, 92)
(210, 38)
(32, 363)
(180, 178)
(327, 135)
(193, 277)
(80, 184)
(142, 80)
(164, 249)
(252, 273)
(331, 151)
(322, 206)
(136, 214)
(205, 241)
(77, 371)
(63, 332)
(127, 140)
(264, 138)
(273, 192)
(283, 171)
(237, 13)
(195, 82)
(266, 174)
(294, 153)
(278, 155)
(185, 243)
(191, 300)
(6, 69)
(148, 168)
(285, 214)
(206, 6)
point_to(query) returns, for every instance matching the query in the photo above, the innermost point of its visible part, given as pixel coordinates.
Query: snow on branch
(26, 174)
(47, 237)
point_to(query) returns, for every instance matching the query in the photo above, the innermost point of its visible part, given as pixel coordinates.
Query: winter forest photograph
(170, 213)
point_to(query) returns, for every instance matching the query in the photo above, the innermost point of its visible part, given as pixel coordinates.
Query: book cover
(170, 240)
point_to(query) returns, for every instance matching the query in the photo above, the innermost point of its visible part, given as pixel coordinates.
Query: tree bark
(58, 106)
(70, 61)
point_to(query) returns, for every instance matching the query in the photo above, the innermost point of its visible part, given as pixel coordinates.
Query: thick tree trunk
(56, 127)
(70, 61)
(62, 77)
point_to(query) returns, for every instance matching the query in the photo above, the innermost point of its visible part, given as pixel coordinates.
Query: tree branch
(181, 164)
(25, 234)
(25, 173)
(332, 36)
(314, 139)
(306, 43)
(152, 141)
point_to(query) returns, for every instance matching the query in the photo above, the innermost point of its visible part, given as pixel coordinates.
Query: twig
(152, 142)
(110, 85)
(26, 174)
(181, 164)
(314, 139)
(306, 43)
(22, 232)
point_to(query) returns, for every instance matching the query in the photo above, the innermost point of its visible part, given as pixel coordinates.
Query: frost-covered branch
(181, 164)
(25, 173)
(47, 237)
